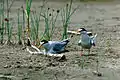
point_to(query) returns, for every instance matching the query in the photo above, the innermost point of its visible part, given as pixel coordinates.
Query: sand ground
(101, 18)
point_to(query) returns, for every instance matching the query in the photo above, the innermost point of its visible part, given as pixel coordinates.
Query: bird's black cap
(81, 29)
(45, 41)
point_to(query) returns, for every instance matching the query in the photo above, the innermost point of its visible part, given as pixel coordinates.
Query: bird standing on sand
(54, 47)
(86, 41)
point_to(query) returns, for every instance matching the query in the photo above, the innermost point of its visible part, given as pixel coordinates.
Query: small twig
(89, 54)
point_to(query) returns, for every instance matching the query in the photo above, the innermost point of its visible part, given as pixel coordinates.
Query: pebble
(97, 73)
(7, 66)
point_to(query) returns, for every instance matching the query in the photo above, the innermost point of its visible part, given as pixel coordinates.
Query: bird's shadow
(63, 51)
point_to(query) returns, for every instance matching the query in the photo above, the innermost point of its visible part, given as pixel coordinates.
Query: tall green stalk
(45, 14)
(28, 6)
(66, 14)
(54, 19)
(2, 23)
(37, 26)
(23, 24)
(46, 17)
(35, 18)
(8, 26)
(50, 20)
(10, 31)
(19, 29)
(35, 23)
(33, 28)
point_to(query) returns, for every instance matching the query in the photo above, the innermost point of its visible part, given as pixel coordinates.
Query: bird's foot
(81, 54)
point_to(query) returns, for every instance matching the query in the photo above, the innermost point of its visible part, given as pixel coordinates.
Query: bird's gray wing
(59, 46)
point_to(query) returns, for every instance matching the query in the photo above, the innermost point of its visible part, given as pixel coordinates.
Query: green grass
(33, 19)
(35, 27)
(7, 22)
(19, 29)
(23, 24)
(28, 7)
(2, 22)
(50, 17)
(66, 14)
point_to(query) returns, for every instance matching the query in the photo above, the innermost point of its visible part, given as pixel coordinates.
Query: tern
(86, 41)
(54, 47)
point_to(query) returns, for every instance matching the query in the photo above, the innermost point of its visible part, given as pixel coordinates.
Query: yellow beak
(79, 30)
(41, 43)
(40, 46)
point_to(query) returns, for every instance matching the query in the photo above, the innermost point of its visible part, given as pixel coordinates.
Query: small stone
(18, 66)
(11, 52)
(36, 69)
(30, 67)
(6, 66)
(8, 57)
(50, 14)
(48, 8)
(18, 62)
(53, 10)
(97, 73)
(67, 5)
(58, 11)
(23, 48)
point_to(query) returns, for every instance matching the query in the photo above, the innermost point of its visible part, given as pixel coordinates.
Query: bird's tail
(66, 40)
(93, 39)
(79, 43)
(95, 36)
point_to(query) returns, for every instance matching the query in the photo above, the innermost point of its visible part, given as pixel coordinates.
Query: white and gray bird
(54, 47)
(87, 40)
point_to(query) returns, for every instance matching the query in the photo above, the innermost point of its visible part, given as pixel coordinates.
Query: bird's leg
(81, 52)
(83, 58)
(88, 51)
(87, 57)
